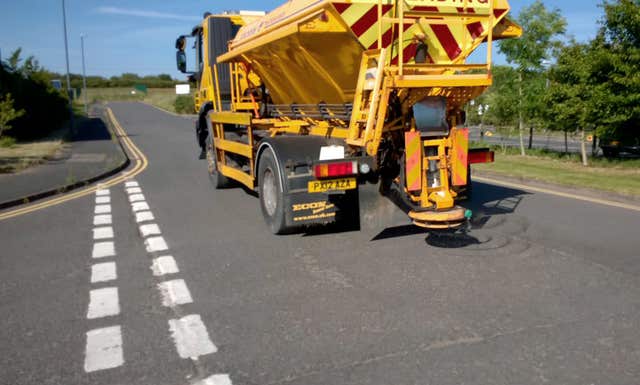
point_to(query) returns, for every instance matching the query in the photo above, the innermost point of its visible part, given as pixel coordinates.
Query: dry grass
(159, 97)
(164, 100)
(23, 155)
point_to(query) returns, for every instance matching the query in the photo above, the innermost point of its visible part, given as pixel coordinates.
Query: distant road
(539, 141)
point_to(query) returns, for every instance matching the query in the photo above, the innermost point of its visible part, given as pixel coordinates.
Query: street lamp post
(84, 76)
(66, 51)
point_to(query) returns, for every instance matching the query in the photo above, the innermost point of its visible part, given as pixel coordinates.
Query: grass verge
(20, 156)
(617, 176)
(159, 97)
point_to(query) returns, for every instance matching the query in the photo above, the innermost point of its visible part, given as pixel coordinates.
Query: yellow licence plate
(316, 186)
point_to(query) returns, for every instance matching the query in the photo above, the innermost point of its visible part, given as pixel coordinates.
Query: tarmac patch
(87, 158)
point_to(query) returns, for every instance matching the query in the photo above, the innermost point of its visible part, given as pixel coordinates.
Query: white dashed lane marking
(191, 337)
(103, 199)
(174, 292)
(103, 272)
(103, 232)
(139, 206)
(216, 379)
(103, 249)
(104, 346)
(102, 219)
(154, 244)
(102, 209)
(164, 265)
(150, 229)
(189, 332)
(136, 198)
(103, 303)
(104, 349)
(144, 216)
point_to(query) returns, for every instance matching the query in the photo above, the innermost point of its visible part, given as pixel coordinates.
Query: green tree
(597, 85)
(13, 62)
(44, 107)
(622, 23)
(502, 112)
(571, 95)
(542, 30)
(496, 107)
(8, 113)
(615, 70)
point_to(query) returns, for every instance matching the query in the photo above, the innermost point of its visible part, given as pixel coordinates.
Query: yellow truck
(317, 97)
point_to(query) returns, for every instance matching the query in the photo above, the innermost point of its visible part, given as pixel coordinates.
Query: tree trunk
(530, 137)
(583, 148)
(566, 142)
(520, 121)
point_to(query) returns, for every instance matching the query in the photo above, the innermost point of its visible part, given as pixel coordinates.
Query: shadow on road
(92, 129)
(399, 231)
(451, 240)
(491, 200)
(488, 201)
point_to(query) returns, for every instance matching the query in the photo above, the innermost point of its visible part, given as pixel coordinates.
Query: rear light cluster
(335, 169)
(485, 156)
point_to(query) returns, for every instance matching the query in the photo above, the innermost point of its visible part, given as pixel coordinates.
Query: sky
(139, 35)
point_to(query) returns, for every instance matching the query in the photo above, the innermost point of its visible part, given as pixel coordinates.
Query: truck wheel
(350, 211)
(218, 180)
(271, 195)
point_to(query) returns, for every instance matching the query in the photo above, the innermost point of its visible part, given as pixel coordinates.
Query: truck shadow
(488, 202)
(492, 200)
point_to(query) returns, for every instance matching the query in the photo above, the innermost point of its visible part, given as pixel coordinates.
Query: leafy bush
(8, 113)
(184, 104)
(45, 108)
(7, 142)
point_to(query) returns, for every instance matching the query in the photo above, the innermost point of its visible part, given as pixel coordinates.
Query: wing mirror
(181, 61)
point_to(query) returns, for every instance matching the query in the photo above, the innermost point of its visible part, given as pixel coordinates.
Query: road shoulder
(579, 193)
(93, 153)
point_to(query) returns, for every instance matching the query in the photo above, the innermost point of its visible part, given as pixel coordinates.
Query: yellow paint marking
(558, 193)
(136, 155)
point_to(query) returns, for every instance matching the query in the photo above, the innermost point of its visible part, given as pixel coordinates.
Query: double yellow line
(135, 155)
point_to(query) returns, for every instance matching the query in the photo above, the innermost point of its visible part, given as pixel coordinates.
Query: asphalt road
(543, 289)
(539, 141)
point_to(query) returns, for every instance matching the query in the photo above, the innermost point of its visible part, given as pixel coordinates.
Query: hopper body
(309, 51)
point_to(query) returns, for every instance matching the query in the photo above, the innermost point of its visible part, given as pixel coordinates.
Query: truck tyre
(271, 193)
(218, 180)
(350, 216)
(202, 126)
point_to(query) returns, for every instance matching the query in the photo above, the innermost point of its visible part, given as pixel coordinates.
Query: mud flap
(459, 161)
(303, 208)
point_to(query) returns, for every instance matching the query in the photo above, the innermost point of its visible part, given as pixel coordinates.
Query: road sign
(183, 89)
